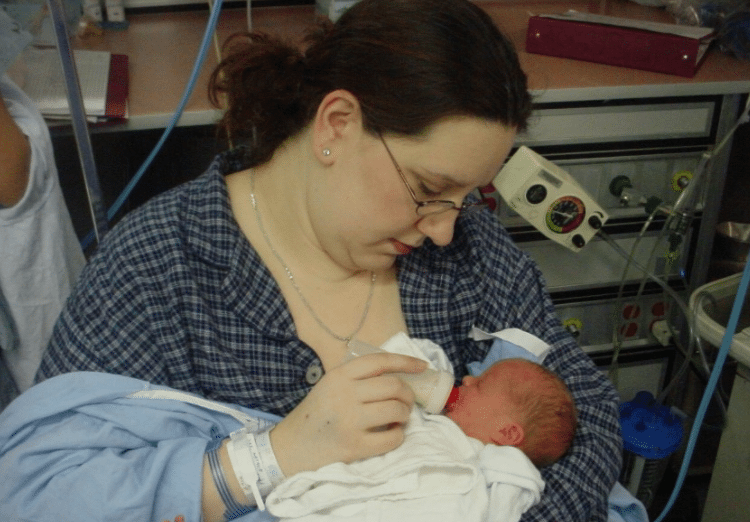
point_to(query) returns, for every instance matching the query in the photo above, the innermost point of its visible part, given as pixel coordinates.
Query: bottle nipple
(452, 398)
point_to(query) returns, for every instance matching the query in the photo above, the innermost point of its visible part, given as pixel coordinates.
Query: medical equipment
(550, 199)
(726, 344)
(524, 184)
(731, 473)
(554, 203)
(651, 432)
(78, 118)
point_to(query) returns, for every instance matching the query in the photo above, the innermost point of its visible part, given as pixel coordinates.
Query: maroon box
(664, 48)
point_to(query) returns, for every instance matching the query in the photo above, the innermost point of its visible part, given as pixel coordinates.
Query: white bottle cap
(440, 393)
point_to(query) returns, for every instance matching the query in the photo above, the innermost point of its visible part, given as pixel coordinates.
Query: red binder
(664, 48)
(117, 87)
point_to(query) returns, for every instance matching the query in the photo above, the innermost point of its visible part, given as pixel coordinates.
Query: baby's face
(482, 402)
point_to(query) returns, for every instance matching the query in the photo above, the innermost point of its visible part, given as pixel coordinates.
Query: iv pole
(80, 128)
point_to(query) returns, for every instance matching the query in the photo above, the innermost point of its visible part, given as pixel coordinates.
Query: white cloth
(438, 473)
(41, 256)
(419, 348)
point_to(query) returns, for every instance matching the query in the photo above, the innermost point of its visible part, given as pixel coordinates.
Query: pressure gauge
(550, 199)
(565, 214)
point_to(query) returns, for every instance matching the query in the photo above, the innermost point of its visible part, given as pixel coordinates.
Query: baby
(477, 461)
(517, 403)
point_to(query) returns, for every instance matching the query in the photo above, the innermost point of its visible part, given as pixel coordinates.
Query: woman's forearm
(15, 159)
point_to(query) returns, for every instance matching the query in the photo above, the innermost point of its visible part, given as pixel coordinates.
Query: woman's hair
(409, 63)
(549, 416)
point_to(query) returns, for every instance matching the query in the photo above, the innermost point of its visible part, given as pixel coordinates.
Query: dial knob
(536, 194)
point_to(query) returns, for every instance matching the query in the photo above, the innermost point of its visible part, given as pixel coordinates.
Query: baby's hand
(357, 410)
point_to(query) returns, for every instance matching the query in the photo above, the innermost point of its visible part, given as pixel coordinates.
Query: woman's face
(364, 215)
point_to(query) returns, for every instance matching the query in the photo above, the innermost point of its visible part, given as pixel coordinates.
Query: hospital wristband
(254, 464)
(268, 458)
(234, 509)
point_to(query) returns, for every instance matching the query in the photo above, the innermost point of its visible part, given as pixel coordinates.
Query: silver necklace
(289, 274)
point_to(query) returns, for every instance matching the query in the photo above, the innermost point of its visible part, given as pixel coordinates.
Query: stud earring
(326, 152)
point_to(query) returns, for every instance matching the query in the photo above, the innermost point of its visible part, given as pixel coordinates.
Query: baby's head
(518, 403)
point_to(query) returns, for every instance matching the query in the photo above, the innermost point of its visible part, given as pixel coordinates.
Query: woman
(344, 212)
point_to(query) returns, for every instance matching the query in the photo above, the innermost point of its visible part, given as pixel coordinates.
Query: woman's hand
(357, 410)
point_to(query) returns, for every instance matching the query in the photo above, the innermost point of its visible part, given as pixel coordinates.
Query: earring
(326, 152)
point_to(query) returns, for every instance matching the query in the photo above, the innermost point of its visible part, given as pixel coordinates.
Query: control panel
(549, 199)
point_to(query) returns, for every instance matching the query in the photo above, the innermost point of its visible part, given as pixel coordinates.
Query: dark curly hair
(410, 63)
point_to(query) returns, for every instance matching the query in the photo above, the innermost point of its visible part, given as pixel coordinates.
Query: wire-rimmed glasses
(436, 206)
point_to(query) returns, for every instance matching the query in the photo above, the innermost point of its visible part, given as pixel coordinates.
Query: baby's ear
(509, 434)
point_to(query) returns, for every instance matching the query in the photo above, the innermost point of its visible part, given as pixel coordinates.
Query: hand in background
(15, 159)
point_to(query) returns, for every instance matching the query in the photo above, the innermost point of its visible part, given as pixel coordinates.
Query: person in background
(343, 211)
(40, 256)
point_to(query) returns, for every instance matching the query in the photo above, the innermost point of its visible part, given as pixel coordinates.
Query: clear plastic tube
(431, 387)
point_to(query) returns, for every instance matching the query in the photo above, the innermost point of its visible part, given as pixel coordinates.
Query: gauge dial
(536, 194)
(565, 214)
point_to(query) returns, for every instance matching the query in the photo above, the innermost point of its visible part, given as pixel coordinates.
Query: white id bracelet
(268, 458)
(254, 463)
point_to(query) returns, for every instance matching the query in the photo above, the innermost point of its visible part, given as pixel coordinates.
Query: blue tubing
(712, 381)
(205, 43)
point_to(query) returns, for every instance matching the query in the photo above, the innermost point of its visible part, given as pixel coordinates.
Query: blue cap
(649, 429)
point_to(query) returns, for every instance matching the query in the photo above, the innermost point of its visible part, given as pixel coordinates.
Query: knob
(536, 194)
(573, 325)
(595, 222)
(618, 184)
(578, 241)
(573, 330)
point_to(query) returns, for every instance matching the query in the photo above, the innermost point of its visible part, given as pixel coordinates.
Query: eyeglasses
(437, 206)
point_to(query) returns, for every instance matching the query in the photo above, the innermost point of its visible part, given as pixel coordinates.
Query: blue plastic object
(649, 429)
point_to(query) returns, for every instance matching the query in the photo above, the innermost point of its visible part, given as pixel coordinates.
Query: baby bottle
(431, 387)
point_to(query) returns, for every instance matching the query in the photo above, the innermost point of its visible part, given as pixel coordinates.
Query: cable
(215, 38)
(205, 43)
(210, 27)
(689, 318)
(715, 374)
(668, 289)
(616, 340)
